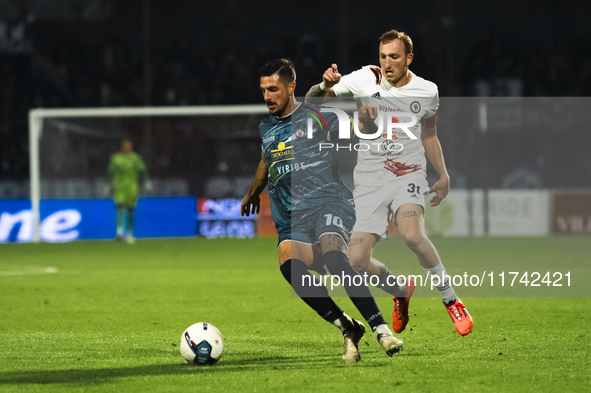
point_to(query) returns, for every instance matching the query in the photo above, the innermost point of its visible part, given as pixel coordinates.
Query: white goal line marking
(27, 270)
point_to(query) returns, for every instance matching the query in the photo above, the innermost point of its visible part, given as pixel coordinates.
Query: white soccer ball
(202, 343)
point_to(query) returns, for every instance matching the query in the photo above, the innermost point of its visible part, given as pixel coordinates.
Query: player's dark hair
(283, 67)
(392, 35)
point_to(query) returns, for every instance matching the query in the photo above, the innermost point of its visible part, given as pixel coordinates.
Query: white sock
(382, 329)
(119, 231)
(445, 289)
(343, 323)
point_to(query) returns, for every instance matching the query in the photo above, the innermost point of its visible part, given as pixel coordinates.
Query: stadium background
(106, 316)
(149, 53)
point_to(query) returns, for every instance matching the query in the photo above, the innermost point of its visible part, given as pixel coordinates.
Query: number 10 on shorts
(333, 220)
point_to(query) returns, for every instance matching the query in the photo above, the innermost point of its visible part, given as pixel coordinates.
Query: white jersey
(387, 160)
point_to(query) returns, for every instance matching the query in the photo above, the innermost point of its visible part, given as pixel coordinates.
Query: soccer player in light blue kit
(311, 206)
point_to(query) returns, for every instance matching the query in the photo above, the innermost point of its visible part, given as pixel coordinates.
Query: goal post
(37, 118)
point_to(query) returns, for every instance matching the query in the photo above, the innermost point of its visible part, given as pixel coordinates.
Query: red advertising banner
(571, 214)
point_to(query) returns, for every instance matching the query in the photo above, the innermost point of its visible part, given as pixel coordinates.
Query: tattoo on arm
(315, 91)
(409, 213)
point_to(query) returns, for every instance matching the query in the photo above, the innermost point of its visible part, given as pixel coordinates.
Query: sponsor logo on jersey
(269, 139)
(415, 107)
(399, 168)
(376, 95)
(384, 108)
(282, 151)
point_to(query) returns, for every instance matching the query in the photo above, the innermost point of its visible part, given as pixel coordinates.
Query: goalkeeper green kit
(125, 172)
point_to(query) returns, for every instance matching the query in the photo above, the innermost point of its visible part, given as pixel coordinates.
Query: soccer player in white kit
(390, 178)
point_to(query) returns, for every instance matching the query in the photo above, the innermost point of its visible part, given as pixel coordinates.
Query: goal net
(205, 152)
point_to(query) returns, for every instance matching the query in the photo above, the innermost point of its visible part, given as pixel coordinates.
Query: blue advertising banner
(165, 217)
(71, 219)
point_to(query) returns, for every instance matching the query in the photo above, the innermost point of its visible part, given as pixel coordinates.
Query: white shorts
(376, 206)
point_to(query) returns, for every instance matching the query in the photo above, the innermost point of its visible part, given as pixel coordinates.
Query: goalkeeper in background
(126, 170)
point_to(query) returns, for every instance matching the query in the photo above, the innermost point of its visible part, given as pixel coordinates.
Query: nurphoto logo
(345, 129)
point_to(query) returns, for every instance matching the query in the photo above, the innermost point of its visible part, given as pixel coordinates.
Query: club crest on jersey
(415, 107)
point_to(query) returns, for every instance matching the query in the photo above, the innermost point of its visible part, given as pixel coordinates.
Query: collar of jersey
(292, 112)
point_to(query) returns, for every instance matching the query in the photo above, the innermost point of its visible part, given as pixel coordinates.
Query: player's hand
(368, 114)
(149, 186)
(331, 76)
(250, 205)
(441, 189)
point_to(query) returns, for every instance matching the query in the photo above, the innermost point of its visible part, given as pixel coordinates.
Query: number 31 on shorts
(334, 220)
(412, 187)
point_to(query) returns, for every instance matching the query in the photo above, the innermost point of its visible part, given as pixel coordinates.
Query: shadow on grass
(105, 375)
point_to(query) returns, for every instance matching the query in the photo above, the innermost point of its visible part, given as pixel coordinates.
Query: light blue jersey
(302, 177)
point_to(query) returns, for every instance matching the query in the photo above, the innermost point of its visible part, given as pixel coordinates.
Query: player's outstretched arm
(324, 90)
(251, 203)
(434, 154)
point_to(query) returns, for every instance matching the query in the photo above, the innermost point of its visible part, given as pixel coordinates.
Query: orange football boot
(400, 313)
(462, 319)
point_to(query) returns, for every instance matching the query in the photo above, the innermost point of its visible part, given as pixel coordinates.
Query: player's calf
(415, 240)
(338, 264)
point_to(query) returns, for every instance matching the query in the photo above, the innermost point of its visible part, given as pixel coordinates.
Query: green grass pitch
(110, 317)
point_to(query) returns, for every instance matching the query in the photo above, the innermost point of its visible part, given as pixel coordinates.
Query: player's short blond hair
(392, 35)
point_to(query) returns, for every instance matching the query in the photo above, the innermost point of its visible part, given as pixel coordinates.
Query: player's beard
(279, 108)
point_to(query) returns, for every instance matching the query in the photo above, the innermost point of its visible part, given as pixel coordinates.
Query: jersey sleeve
(433, 106)
(349, 85)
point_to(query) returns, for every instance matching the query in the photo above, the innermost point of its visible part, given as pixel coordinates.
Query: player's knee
(284, 252)
(414, 239)
(331, 242)
(359, 260)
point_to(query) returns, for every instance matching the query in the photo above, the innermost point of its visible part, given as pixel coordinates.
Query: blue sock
(121, 220)
(315, 296)
(338, 264)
